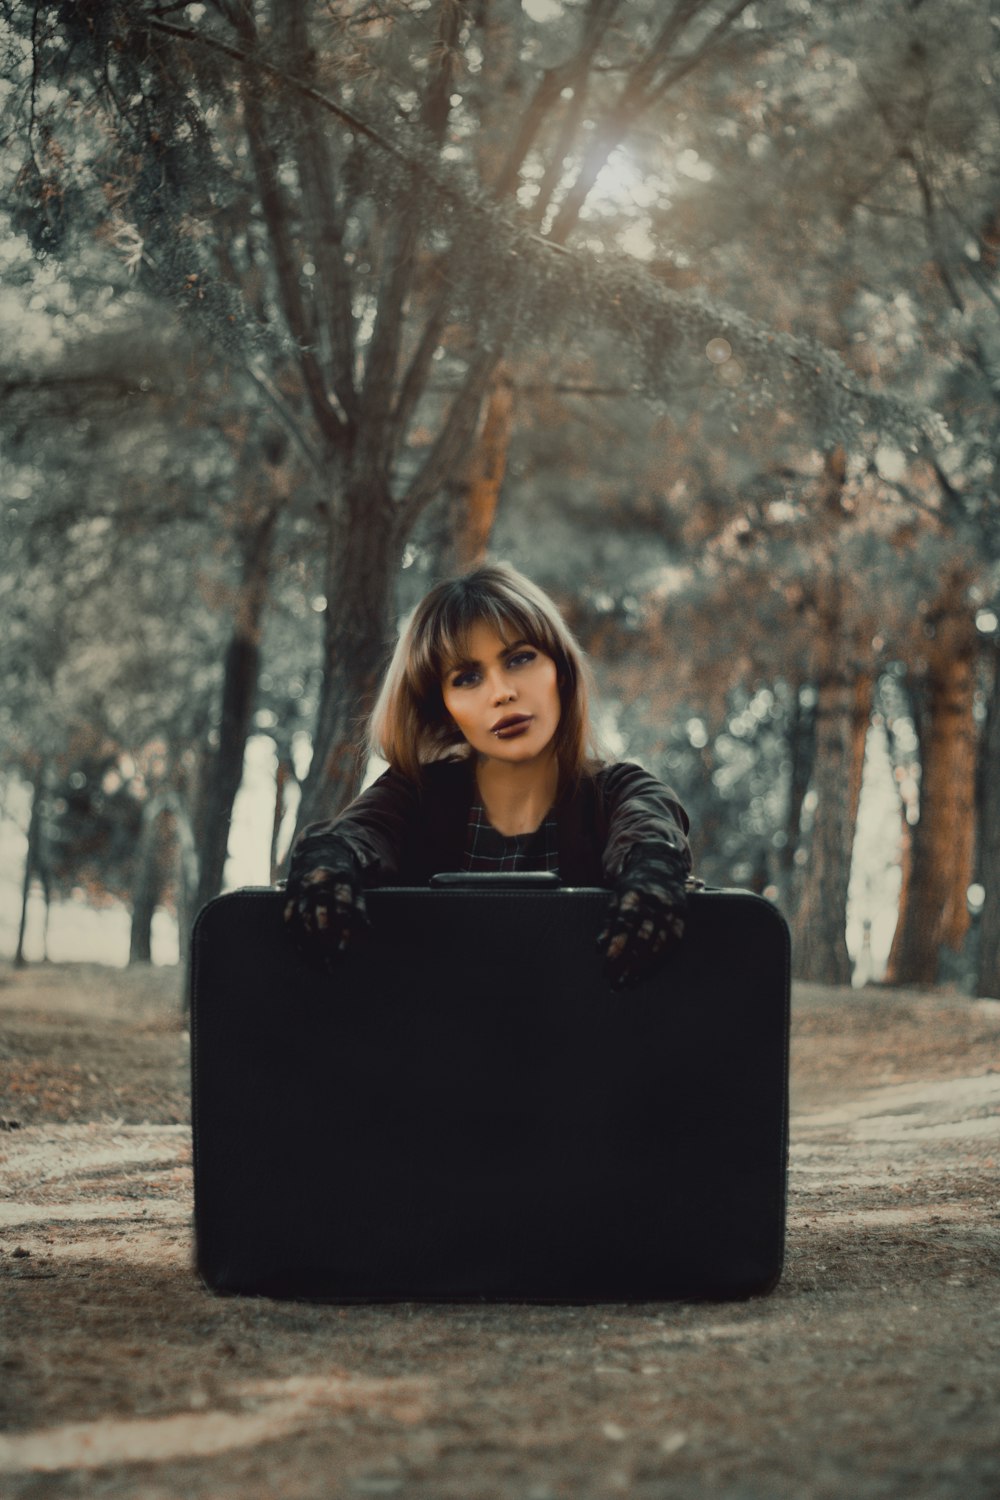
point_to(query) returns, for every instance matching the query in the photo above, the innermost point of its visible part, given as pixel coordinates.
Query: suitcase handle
(497, 880)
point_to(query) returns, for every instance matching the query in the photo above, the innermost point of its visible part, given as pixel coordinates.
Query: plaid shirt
(488, 849)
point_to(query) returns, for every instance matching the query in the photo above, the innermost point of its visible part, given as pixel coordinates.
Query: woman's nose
(503, 691)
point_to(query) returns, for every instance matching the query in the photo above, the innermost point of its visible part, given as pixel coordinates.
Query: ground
(872, 1371)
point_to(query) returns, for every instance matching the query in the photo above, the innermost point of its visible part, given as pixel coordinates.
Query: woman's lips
(509, 729)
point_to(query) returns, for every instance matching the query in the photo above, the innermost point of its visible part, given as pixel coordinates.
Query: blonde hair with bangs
(409, 725)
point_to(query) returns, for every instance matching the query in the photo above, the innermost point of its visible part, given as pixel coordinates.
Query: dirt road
(873, 1370)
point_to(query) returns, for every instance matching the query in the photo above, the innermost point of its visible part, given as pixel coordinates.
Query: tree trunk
(802, 752)
(284, 775)
(29, 870)
(935, 912)
(363, 564)
(224, 769)
(150, 878)
(905, 874)
(842, 714)
(842, 717)
(988, 842)
(472, 506)
(500, 26)
(34, 859)
(47, 919)
(187, 877)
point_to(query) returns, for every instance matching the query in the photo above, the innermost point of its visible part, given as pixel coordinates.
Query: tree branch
(690, 60)
(288, 418)
(933, 232)
(625, 296)
(453, 437)
(255, 59)
(639, 92)
(436, 107)
(378, 418)
(415, 378)
(568, 74)
(976, 273)
(323, 221)
(286, 264)
(565, 136)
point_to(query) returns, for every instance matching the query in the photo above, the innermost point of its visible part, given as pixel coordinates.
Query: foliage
(715, 243)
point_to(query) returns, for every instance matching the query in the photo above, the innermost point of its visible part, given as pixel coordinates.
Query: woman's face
(504, 698)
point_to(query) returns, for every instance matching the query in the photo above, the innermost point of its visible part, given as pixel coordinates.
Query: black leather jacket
(403, 832)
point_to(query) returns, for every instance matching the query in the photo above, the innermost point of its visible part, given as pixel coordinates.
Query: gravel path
(872, 1371)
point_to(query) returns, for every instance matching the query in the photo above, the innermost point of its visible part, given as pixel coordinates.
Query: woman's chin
(517, 752)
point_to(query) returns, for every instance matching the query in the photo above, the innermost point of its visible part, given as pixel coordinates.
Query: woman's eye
(463, 679)
(521, 658)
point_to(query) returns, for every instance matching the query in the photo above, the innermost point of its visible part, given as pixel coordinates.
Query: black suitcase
(464, 1110)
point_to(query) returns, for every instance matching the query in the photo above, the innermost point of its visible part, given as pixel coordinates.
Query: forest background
(690, 309)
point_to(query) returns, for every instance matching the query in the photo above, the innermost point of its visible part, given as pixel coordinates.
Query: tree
(113, 487)
(897, 240)
(330, 192)
(988, 968)
(936, 136)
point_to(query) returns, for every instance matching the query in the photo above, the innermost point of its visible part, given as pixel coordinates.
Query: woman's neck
(517, 797)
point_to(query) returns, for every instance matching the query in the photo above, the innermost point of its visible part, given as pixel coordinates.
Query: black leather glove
(325, 905)
(646, 914)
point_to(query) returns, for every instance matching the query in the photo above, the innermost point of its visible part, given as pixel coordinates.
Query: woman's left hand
(645, 917)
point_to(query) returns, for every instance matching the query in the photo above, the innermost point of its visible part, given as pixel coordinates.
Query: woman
(483, 719)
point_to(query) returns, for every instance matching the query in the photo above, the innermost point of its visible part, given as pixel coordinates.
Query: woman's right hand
(325, 907)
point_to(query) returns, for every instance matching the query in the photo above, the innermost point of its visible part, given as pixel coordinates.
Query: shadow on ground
(872, 1371)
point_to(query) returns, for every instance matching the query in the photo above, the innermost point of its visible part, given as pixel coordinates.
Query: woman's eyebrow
(469, 661)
